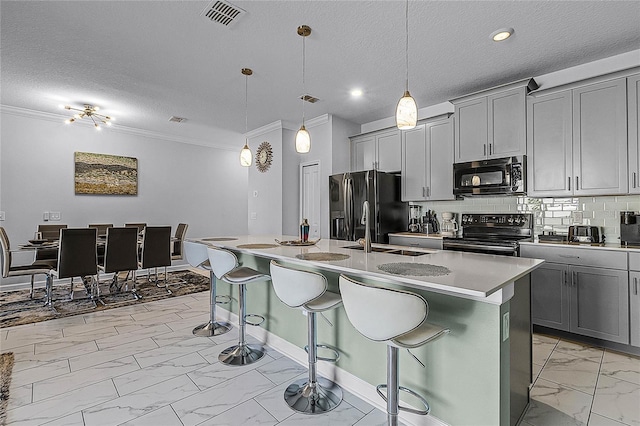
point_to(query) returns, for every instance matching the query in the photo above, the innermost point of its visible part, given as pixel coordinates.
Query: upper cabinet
(427, 159)
(633, 109)
(577, 140)
(492, 123)
(379, 150)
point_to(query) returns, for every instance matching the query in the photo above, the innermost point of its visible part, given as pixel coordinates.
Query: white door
(310, 198)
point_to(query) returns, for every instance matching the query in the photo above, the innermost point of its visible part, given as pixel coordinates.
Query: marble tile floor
(141, 365)
(575, 384)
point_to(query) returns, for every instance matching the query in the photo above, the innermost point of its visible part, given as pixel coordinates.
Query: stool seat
(328, 300)
(244, 275)
(418, 337)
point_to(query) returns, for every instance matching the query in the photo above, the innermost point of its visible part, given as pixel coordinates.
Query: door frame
(300, 206)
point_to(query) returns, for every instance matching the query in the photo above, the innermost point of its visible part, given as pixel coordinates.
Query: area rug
(6, 365)
(16, 308)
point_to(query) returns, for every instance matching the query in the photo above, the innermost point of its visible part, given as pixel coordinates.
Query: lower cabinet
(422, 242)
(583, 291)
(634, 307)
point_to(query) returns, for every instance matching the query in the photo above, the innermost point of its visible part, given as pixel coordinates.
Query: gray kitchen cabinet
(577, 140)
(633, 117)
(550, 296)
(574, 292)
(379, 150)
(492, 123)
(427, 161)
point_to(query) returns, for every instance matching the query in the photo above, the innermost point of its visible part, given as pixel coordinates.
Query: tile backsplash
(551, 214)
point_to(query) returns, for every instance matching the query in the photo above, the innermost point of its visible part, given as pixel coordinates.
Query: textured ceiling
(144, 61)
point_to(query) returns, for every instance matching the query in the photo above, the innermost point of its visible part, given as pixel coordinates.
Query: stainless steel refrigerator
(347, 193)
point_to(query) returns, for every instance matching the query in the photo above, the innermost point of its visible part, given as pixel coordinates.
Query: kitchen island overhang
(479, 374)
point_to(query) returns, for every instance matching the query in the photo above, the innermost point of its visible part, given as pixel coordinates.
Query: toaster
(585, 234)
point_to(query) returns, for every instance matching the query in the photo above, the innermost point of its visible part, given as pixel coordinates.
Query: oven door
(490, 177)
(484, 248)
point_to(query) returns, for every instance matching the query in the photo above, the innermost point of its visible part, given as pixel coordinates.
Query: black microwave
(498, 176)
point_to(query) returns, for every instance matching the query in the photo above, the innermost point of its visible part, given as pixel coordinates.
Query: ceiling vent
(223, 13)
(175, 119)
(309, 98)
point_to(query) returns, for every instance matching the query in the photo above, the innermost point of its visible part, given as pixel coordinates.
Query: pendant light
(245, 154)
(303, 139)
(407, 109)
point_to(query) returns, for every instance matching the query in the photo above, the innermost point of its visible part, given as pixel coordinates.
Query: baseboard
(346, 380)
(26, 285)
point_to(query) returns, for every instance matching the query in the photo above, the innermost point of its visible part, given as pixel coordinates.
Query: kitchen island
(477, 375)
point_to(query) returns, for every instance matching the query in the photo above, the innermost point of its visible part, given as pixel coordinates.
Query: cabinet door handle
(484, 149)
(424, 192)
(569, 183)
(490, 148)
(566, 256)
(428, 191)
(575, 279)
(635, 285)
(634, 179)
(564, 273)
(577, 186)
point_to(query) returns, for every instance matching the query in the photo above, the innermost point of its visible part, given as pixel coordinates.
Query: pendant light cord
(303, 67)
(406, 51)
(246, 106)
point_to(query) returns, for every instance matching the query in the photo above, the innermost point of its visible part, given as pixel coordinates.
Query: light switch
(2, 217)
(45, 216)
(54, 215)
(254, 216)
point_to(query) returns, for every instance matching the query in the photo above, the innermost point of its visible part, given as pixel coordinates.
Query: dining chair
(50, 233)
(120, 255)
(37, 267)
(156, 252)
(77, 257)
(178, 241)
(140, 226)
(101, 227)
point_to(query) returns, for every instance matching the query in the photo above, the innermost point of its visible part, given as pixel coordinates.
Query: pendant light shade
(245, 154)
(406, 112)
(303, 138)
(407, 109)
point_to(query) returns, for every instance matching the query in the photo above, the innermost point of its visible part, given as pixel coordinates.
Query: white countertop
(474, 276)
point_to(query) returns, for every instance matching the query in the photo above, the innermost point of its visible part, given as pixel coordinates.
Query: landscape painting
(105, 174)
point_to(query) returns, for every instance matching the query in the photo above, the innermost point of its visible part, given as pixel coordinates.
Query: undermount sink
(390, 250)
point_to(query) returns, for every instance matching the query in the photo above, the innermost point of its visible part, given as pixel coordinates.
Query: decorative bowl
(297, 242)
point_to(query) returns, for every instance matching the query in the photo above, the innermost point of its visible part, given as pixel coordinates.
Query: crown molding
(58, 118)
(276, 125)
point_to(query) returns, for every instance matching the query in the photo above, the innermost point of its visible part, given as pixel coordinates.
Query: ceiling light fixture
(501, 34)
(303, 139)
(88, 111)
(245, 154)
(356, 93)
(407, 109)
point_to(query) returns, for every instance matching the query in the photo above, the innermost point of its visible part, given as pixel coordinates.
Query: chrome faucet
(365, 222)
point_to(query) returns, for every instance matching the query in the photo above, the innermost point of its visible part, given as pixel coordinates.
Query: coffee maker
(630, 228)
(415, 214)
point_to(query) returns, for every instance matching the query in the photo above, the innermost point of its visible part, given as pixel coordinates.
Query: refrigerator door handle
(345, 200)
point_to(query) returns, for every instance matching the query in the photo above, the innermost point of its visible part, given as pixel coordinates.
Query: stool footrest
(412, 393)
(333, 359)
(224, 300)
(255, 324)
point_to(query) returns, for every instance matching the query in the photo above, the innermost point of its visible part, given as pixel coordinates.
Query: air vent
(175, 119)
(309, 98)
(223, 13)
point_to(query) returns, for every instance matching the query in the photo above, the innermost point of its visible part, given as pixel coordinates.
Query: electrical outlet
(2, 216)
(505, 326)
(54, 215)
(254, 216)
(576, 217)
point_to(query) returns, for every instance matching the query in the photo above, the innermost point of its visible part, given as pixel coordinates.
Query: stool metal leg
(242, 353)
(213, 327)
(315, 395)
(393, 386)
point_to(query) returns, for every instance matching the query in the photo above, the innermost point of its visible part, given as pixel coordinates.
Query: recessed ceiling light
(356, 93)
(501, 34)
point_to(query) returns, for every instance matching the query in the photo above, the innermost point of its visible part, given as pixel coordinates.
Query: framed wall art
(105, 174)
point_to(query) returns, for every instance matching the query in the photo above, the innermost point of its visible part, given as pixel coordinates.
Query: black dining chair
(156, 253)
(178, 242)
(77, 257)
(101, 227)
(121, 255)
(50, 233)
(37, 267)
(140, 226)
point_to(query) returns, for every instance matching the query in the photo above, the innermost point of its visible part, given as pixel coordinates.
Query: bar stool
(397, 318)
(198, 257)
(308, 291)
(225, 267)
